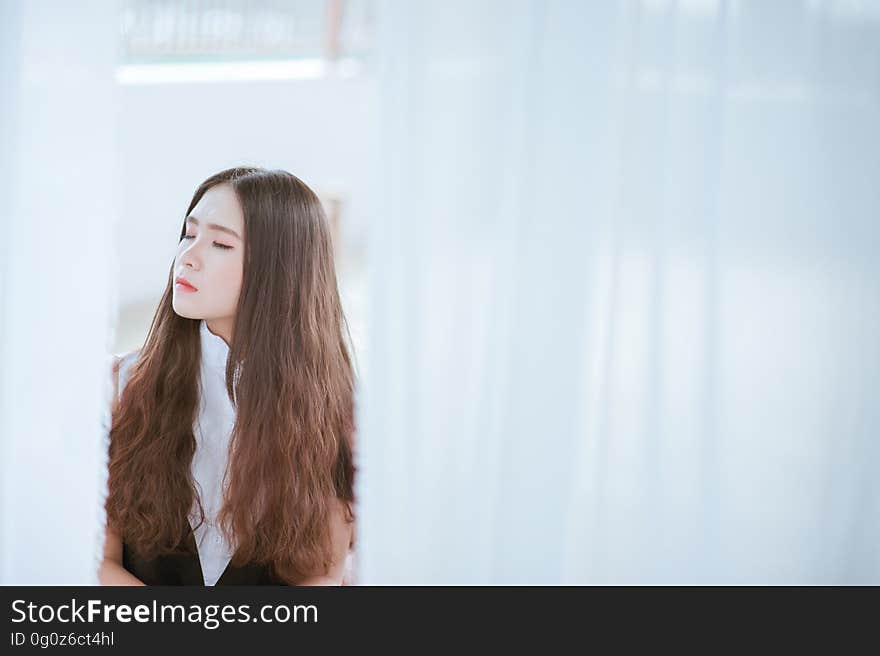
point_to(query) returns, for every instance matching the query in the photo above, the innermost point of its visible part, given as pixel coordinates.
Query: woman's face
(210, 257)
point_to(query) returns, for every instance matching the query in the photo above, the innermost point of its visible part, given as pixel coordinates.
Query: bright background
(609, 267)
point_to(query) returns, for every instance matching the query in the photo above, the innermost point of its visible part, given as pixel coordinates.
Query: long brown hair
(289, 376)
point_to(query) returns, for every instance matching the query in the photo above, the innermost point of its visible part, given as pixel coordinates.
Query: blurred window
(215, 31)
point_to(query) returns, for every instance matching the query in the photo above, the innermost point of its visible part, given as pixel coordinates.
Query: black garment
(186, 569)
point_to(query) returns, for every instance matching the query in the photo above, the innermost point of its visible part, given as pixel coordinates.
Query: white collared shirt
(212, 432)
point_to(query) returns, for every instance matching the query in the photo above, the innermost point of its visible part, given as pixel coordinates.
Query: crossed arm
(342, 539)
(111, 571)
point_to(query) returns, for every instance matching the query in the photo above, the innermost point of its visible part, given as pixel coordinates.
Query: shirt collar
(215, 351)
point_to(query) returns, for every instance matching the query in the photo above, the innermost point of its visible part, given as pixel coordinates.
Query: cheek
(232, 278)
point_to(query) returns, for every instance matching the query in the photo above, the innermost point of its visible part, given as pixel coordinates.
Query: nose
(191, 257)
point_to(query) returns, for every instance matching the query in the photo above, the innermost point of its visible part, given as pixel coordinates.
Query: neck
(222, 328)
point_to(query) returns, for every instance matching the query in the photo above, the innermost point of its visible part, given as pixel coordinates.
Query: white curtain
(625, 303)
(57, 291)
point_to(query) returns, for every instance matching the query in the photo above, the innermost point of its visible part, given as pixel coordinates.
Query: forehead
(219, 204)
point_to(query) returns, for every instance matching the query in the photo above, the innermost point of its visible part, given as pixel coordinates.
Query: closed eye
(217, 244)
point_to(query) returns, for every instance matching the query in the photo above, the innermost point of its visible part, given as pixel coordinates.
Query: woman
(230, 449)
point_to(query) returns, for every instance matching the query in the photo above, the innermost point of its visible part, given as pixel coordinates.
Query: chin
(183, 312)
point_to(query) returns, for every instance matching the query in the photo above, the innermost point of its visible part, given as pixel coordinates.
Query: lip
(184, 285)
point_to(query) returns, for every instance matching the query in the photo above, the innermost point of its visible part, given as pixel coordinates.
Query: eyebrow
(214, 226)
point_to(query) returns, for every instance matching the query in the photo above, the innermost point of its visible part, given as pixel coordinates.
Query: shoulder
(127, 358)
(118, 369)
(122, 364)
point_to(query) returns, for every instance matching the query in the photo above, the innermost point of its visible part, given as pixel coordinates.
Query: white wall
(626, 299)
(58, 187)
